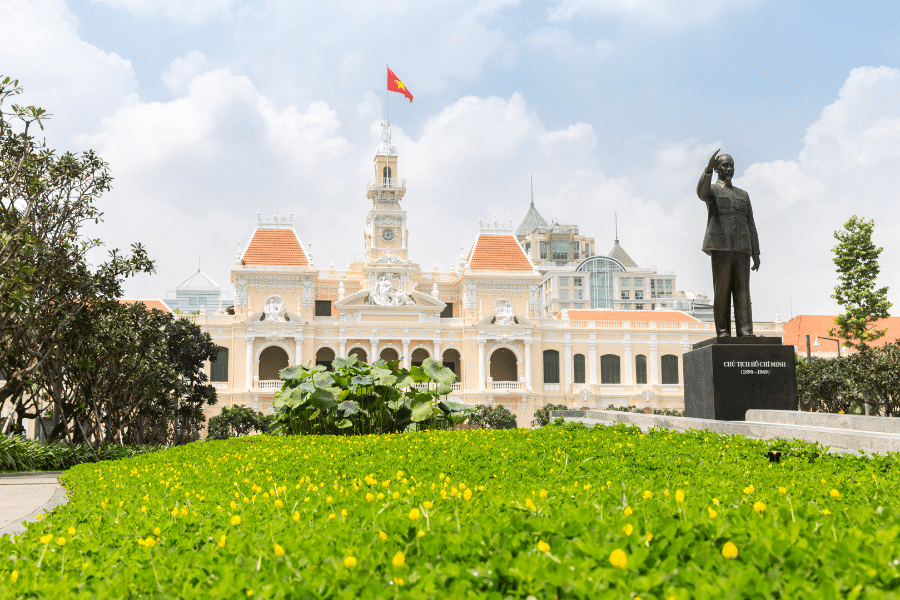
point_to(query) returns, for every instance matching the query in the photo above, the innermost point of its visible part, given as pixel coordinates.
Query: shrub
(665, 412)
(20, 454)
(542, 415)
(357, 398)
(492, 417)
(238, 421)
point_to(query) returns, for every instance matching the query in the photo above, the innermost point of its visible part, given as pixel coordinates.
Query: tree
(45, 277)
(238, 421)
(856, 258)
(542, 415)
(493, 417)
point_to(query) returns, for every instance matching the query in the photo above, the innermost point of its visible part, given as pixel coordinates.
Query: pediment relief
(266, 318)
(505, 321)
(359, 300)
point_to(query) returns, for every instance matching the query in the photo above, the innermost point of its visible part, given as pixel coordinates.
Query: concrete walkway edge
(59, 497)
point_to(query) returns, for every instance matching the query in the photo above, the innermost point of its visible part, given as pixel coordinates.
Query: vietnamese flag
(395, 85)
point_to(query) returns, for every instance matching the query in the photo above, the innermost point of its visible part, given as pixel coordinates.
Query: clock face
(387, 234)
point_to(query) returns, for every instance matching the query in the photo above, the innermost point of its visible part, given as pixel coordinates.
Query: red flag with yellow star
(395, 85)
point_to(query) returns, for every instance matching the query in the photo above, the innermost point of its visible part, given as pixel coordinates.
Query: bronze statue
(731, 241)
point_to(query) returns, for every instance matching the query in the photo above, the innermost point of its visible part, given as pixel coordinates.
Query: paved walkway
(22, 496)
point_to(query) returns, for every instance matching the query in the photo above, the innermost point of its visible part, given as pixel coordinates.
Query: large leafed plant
(357, 398)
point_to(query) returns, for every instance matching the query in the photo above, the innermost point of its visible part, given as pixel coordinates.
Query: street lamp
(832, 339)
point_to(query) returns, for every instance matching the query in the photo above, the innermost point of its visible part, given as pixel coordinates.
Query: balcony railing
(506, 385)
(269, 384)
(387, 183)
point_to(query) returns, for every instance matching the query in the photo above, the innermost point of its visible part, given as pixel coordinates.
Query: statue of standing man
(731, 242)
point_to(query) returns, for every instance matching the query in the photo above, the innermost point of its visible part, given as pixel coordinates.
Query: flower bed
(557, 512)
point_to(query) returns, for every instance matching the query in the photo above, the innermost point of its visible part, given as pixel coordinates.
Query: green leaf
(349, 407)
(421, 412)
(438, 372)
(418, 374)
(443, 389)
(344, 363)
(344, 424)
(291, 373)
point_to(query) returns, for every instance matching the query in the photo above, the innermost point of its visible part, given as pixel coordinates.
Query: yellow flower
(679, 496)
(329, 499)
(823, 480)
(444, 494)
(712, 513)
(383, 536)
(749, 489)
(221, 543)
(45, 539)
(278, 550)
(156, 531)
(149, 541)
(834, 493)
(369, 497)
(628, 511)
(467, 495)
(414, 514)
(330, 517)
(398, 580)
(39, 516)
(647, 494)
(420, 534)
(618, 558)
(183, 512)
(14, 576)
(543, 493)
(826, 512)
(380, 495)
(628, 529)
(61, 541)
(427, 504)
(666, 493)
(249, 592)
(649, 538)
(716, 501)
(729, 550)
(399, 560)
(759, 507)
(71, 531)
(349, 562)
(343, 512)
(236, 520)
(279, 503)
(782, 490)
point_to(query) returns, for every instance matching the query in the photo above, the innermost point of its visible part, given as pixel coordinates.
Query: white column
(298, 349)
(567, 375)
(654, 363)
(481, 384)
(592, 364)
(249, 380)
(406, 361)
(374, 357)
(342, 348)
(437, 351)
(527, 365)
(629, 364)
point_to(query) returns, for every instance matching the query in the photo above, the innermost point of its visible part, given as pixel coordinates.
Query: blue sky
(209, 111)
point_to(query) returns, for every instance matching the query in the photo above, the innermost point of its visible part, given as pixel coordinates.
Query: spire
(532, 220)
(532, 191)
(616, 216)
(385, 149)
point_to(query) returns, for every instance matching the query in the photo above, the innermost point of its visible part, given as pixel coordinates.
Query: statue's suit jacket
(730, 225)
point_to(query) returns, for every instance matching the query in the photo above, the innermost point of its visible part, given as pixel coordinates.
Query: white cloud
(76, 82)
(661, 12)
(193, 12)
(183, 70)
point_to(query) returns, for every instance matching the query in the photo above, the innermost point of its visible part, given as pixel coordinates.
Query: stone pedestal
(726, 377)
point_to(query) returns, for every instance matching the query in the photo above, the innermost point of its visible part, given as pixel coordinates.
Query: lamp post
(829, 338)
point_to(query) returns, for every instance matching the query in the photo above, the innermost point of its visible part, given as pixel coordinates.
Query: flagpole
(387, 96)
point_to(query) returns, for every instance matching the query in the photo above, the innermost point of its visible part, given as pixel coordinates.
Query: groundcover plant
(560, 512)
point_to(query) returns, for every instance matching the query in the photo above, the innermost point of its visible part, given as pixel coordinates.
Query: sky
(210, 111)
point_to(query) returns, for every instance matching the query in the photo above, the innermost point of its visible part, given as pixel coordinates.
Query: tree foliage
(493, 417)
(238, 421)
(856, 258)
(542, 415)
(357, 398)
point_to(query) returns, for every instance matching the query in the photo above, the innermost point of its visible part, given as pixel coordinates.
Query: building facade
(498, 319)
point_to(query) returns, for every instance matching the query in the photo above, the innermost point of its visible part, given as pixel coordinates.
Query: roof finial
(616, 217)
(532, 191)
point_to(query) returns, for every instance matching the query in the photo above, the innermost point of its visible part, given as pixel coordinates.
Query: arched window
(669, 368)
(418, 357)
(504, 365)
(579, 368)
(610, 371)
(389, 354)
(218, 367)
(360, 354)
(271, 361)
(324, 357)
(551, 366)
(601, 269)
(640, 369)
(453, 361)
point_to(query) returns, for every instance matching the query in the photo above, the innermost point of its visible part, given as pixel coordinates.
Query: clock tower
(386, 234)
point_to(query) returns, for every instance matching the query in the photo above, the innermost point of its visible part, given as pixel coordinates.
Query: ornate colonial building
(526, 318)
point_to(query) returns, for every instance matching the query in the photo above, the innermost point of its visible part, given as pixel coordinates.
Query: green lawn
(559, 512)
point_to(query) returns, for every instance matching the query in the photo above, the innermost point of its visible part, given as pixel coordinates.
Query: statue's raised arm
(706, 178)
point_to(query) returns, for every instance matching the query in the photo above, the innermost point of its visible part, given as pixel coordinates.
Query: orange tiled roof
(275, 248)
(796, 330)
(630, 315)
(498, 253)
(149, 304)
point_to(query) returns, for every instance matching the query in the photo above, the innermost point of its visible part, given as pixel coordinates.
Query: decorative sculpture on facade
(386, 293)
(504, 313)
(274, 310)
